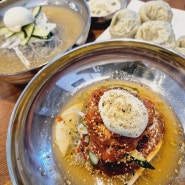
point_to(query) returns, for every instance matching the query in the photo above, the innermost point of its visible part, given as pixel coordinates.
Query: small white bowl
(106, 18)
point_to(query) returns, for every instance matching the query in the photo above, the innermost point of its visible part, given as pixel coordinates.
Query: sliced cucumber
(28, 29)
(143, 164)
(20, 34)
(41, 33)
(36, 11)
(140, 160)
(137, 155)
(93, 159)
(9, 34)
(5, 31)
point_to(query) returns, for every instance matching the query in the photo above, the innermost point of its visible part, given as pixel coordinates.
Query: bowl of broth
(69, 22)
(47, 127)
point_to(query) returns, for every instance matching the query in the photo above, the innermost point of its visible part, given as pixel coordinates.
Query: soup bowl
(65, 37)
(30, 141)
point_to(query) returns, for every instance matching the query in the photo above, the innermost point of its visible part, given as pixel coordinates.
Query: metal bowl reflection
(22, 76)
(29, 141)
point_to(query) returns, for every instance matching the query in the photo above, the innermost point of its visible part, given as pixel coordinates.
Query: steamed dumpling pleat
(156, 10)
(99, 8)
(124, 24)
(157, 32)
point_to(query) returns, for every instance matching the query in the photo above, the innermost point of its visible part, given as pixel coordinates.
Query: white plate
(177, 20)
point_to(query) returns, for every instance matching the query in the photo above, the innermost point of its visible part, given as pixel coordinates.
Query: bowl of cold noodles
(111, 112)
(33, 33)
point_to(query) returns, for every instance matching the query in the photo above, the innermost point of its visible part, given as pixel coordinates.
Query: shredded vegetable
(40, 32)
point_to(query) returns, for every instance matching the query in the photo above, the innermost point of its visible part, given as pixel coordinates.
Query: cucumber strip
(143, 164)
(38, 31)
(47, 38)
(21, 35)
(93, 159)
(29, 30)
(139, 159)
(41, 33)
(36, 11)
(9, 34)
(24, 32)
(5, 31)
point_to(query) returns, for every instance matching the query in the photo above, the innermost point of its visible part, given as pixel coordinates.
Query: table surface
(9, 94)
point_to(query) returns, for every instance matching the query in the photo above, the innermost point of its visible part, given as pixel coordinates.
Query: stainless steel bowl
(30, 156)
(103, 19)
(80, 6)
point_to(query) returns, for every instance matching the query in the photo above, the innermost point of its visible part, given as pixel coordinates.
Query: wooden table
(10, 93)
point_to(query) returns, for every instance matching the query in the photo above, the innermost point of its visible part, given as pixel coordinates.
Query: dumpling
(100, 8)
(180, 45)
(156, 10)
(158, 32)
(124, 24)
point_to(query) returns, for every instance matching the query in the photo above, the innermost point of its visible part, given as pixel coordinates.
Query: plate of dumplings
(153, 21)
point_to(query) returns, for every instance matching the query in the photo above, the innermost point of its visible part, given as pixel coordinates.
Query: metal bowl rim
(88, 47)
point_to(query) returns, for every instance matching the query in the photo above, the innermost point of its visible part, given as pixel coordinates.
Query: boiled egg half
(17, 17)
(123, 113)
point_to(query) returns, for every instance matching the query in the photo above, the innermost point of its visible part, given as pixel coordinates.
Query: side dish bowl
(105, 18)
(30, 155)
(23, 75)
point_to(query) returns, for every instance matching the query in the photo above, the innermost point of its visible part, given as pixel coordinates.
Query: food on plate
(157, 32)
(117, 132)
(117, 121)
(23, 27)
(17, 17)
(113, 104)
(101, 8)
(180, 45)
(152, 23)
(124, 24)
(31, 37)
(156, 10)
